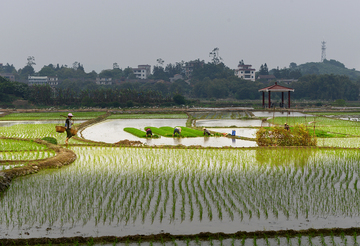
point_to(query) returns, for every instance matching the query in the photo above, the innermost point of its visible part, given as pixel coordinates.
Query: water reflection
(228, 123)
(279, 114)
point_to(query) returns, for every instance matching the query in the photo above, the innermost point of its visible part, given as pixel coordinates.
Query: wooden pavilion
(276, 88)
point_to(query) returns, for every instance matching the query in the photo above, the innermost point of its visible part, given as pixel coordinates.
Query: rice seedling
(48, 116)
(116, 187)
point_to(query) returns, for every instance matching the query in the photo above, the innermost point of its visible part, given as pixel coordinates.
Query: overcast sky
(98, 33)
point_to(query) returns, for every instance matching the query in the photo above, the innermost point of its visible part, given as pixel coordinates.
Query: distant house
(269, 77)
(103, 81)
(53, 80)
(286, 81)
(245, 72)
(142, 71)
(176, 77)
(8, 76)
(42, 80)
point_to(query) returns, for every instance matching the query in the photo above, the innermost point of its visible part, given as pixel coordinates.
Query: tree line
(212, 80)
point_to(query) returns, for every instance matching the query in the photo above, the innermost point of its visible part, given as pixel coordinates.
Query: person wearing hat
(68, 125)
(206, 131)
(286, 126)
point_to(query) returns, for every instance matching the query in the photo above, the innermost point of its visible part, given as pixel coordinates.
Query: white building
(103, 81)
(43, 80)
(245, 72)
(142, 71)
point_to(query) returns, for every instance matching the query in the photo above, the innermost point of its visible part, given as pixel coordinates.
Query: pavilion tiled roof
(276, 88)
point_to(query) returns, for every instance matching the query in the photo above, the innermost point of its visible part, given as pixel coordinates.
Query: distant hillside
(328, 67)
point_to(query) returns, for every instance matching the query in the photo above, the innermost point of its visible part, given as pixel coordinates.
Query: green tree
(263, 70)
(179, 99)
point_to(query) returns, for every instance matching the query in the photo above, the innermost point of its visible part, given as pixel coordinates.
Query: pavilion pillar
(282, 99)
(269, 99)
(288, 99)
(263, 94)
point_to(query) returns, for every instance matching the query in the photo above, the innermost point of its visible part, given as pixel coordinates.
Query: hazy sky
(98, 33)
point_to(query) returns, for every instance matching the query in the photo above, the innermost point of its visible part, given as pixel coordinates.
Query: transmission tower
(323, 51)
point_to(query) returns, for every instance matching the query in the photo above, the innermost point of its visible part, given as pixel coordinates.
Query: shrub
(50, 140)
(298, 135)
(179, 99)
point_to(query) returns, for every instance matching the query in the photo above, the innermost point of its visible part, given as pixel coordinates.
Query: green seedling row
(32, 131)
(146, 187)
(311, 120)
(51, 116)
(26, 155)
(19, 145)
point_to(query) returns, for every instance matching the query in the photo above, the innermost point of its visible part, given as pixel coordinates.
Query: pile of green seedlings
(167, 131)
(138, 133)
(149, 187)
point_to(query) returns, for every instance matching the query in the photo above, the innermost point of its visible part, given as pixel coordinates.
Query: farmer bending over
(148, 132)
(177, 130)
(286, 126)
(206, 131)
(68, 125)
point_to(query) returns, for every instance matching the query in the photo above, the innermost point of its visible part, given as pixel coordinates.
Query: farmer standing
(68, 125)
(177, 130)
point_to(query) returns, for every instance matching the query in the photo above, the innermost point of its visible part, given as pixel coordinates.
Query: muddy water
(278, 114)
(228, 123)
(111, 131)
(241, 132)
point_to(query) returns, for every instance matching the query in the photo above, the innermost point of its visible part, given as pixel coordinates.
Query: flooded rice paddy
(128, 191)
(111, 131)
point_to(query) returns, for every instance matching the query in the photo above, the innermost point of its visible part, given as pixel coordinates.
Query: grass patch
(148, 116)
(50, 140)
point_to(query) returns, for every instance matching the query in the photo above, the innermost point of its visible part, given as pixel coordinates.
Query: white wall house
(245, 72)
(43, 80)
(103, 81)
(142, 71)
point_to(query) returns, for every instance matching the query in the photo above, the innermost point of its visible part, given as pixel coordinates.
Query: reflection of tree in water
(285, 156)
